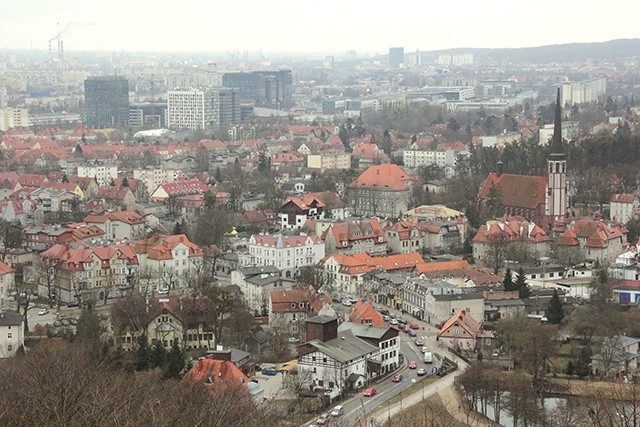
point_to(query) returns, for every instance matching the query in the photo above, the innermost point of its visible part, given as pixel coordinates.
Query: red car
(405, 328)
(370, 392)
(396, 378)
(414, 326)
(413, 364)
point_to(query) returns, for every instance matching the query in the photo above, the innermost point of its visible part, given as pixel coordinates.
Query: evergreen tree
(158, 356)
(112, 183)
(507, 282)
(125, 182)
(142, 355)
(218, 174)
(521, 284)
(65, 179)
(554, 311)
(583, 363)
(174, 361)
(177, 229)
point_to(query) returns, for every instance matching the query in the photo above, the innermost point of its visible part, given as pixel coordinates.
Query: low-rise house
(446, 305)
(463, 332)
(179, 188)
(7, 281)
(385, 288)
(618, 357)
(442, 236)
(598, 241)
(54, 200)
(256, 283)
(403, 237)
(415, 300)
(289, 309)
(623, 207)
(121, 225)
(502, 305)
(11, 333)
(385, 338)
(115, 197)
(364, 313)
(288, 253)
(295, 211)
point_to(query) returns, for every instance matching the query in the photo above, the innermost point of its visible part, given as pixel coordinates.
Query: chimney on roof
(500, 168)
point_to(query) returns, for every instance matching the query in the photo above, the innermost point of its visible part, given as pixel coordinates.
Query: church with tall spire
(541, 199)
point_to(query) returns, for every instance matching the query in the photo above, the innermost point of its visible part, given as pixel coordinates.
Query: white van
(337, 411)
(428, 357)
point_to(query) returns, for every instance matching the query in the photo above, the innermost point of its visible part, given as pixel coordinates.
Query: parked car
(414, 326)
(370, 392)
(396, 378)
(422, 372)
(428, 357)
(337, 411)
(43, 312)
(163, 291)
(419, 342)
(393, 321)
(425, 349)
(322, 420)
(405, 328)
(294, 340)
(269, 371)
(384, 311)
(412, 333)
(403, 321)
(413, 364)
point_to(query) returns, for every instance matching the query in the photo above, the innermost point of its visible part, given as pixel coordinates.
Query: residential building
(364, 313)
(396, 57)
(153, 178)
(381, 190)
(502, 305)
(445, 305)
(463, 332)
(178, 188)
(210, 108)
(78, 274)
(123, 225)
(11, 333)
(386, 338)
(115, 197)
(7, 282)
(596, 239)
(104, 172)
(53, 200)
(618, 357)
(414, 296)
(584, 91)
(329, 160)
(337, 365)
(13, 118)
(295, 211)
(433, 213)
(289, 309)
(623, 207)
(168, 262)
(510, 233)
(288, 253)
(256, 283)
(355, 237)
(384, 288)
(403, 237)
(418, 158)
(106, 102)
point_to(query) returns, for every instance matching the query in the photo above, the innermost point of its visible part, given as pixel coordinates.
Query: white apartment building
(287, 253)
(329, 161)
(213, 108)
(153, 178)
(583, 91)
(13, 118)
(7, 282)
(11, 333)
(417, 158)
(103, 172)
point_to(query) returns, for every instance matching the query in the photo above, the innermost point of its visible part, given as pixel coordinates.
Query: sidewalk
(457, 408)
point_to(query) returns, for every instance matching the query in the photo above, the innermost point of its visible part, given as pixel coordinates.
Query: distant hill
(573, 52)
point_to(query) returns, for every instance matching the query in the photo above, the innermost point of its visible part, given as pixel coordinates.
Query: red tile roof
(516, 190)
(217, 374)
(363, 312)
(387, 176)
(623, 198)
(465, 321)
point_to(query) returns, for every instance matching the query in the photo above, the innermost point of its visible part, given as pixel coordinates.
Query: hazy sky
(311, 26)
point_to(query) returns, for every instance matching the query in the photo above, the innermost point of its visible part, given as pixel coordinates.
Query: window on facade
(10, 348)
(324, 360)
(9, 335)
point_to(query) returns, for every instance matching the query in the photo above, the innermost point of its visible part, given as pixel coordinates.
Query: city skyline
(299, 27)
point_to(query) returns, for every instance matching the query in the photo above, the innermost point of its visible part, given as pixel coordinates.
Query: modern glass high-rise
(106, 102)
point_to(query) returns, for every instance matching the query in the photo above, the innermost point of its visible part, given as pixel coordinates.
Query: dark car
(401, 320)
(411, 333)
(269, 371)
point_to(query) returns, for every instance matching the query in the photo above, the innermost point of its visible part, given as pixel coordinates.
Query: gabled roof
(217, 374)
(159, 246)
(304, 203)
(463, 320)
(516, 190)
(344, 348)
(363, 312)
(623, 198)
(441, 265)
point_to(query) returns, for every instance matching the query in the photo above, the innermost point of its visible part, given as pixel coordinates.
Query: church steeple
(556, 140)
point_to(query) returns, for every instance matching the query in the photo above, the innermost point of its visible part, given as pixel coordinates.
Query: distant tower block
(396, 56)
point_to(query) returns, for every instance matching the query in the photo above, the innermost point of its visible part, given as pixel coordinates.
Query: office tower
(396, 56)
(106, 102)
(210, 108)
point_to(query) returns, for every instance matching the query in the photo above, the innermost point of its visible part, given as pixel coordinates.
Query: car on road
(370, 392)
(384, 311)
(422, 372)
(413, 364)
(403, 321)
(43, 312)
(396, 378)
(405, 328)
(419, 342)
(323, 419)
(425, 349)
(394, 321)
(414, 326)
(269, 371)
(337, 411)
(412, 333)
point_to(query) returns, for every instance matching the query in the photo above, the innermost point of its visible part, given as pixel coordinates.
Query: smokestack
(61, 51)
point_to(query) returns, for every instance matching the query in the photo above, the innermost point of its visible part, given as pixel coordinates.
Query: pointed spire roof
(556, 140)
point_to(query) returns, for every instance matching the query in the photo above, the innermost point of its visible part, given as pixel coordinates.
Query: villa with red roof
(364, 313)
(168, 261)
(381, 190)
(462, 332)
(178, 188)
(510, 231)
(119, 225)
(623, 207)
(290, 309)
(81, 273)
(288, 253)
(596, 239)
(295, 211)
(354, 237)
